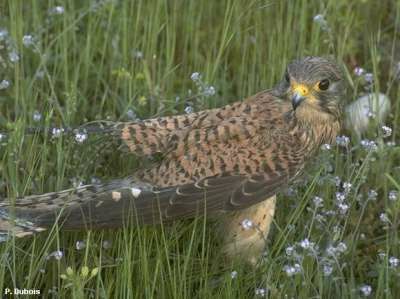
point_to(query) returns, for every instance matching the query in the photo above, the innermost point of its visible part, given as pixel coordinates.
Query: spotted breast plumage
(231, 160)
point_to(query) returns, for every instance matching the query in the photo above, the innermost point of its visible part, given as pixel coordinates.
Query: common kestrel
(231, 161)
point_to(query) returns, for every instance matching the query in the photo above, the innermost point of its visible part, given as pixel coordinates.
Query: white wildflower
(320, 218)
(327, 269)
(27, 40)
(337, 181)
(234, 274)
(384, 218)
(4, 84)
(57, 255)
(343, 208)
(247, 224)
(369, 77)
(131, 114)
(366, 290)
(359, 71)
(57, 10)
(292, 270)
(39, 74)
(369, 145)
(326, 147)
(393, 195)
(340, 196)
(329, 213)
(138, 54)
(290, 191)
(391, 143)
(195, 76)
(106, 244)
(3, 34)
(318, 201)
(342, 141)
(261, 292)
(337, 229)
(386, 131)
(80, 137)
(394, 262)
(36, 116)
(341, 247)
(13, 56)
(306, 244)
(79, 245)
(331, 250)
(209, 91)
(56, 132)
(347, 187)
(372, 194)
(381, 255)
(320, 20)
(76, 182)
(189, 109)
(289, 250)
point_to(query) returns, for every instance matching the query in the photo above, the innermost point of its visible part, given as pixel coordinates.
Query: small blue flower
(36, 116)
(27, 40)
(195, 76)
(4, 84)
(359, 71)
(366, 290)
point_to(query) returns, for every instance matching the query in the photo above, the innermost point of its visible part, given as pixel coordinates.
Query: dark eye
(323, 84)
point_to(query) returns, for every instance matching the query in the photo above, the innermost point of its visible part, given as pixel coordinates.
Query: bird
(227, 163)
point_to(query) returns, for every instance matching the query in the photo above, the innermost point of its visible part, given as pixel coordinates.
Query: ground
(64, 63)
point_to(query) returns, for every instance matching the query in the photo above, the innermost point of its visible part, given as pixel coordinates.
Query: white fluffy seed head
(358, 114)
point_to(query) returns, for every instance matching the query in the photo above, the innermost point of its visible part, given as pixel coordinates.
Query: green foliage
(109, 60)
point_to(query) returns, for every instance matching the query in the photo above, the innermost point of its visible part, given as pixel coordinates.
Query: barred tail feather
(10, 226)
(128, 201)
(89, 206)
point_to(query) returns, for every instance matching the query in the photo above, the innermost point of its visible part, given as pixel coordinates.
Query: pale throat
(319, 127)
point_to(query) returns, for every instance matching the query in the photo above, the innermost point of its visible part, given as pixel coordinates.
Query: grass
(107, 59)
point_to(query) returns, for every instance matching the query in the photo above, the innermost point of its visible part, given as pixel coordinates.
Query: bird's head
(313, 85)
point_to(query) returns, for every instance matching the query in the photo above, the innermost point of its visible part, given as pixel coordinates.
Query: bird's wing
(236, 162)
(135, 203)
(253, 143)
(152, 136)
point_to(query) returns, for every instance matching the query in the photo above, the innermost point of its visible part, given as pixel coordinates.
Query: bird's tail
(91, 206)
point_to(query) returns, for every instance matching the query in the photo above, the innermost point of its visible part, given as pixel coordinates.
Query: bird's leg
(245, 231)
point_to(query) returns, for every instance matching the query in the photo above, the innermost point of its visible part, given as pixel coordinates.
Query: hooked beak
(299, 94)
(296, 100)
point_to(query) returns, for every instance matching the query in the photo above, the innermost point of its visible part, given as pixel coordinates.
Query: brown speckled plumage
(214, 161)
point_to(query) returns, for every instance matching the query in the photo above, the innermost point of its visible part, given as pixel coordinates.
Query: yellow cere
(303, 90)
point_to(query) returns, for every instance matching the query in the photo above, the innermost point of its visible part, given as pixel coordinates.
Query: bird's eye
(287, 77)
(323, 84)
